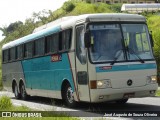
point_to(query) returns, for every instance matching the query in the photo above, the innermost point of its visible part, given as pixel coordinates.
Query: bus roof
(71, 21)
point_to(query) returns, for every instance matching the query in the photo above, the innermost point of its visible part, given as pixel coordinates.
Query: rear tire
(16, 92)
(23, 92)
(68, 96)
(122, 101)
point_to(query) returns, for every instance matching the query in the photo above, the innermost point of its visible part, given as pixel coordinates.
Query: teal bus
(90, 58)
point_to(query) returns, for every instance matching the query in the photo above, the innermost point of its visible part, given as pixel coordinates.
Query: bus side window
(5, 56)
(12, 54)
(54, 43)
(39, 47)
(28, 50)
(80, 47)
(51, 43)
(66, 39)
(9, 55)
(48, 44)
(19, 50)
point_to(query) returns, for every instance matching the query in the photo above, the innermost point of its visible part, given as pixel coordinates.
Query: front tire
(68, 96)
(122, 101)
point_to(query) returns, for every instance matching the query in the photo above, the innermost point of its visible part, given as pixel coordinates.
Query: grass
(6, 105)
(39, 118)
(158, 93)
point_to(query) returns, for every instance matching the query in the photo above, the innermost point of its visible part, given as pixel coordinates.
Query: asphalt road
(134, 105)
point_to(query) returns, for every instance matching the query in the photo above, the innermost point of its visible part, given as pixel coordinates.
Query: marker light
(100, 84)
(93, 84)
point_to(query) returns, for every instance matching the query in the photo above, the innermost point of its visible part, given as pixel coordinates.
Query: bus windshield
(110, 43)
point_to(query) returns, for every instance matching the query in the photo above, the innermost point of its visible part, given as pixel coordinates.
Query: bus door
(81, 65)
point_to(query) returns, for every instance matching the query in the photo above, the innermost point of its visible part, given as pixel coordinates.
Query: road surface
(134, 105)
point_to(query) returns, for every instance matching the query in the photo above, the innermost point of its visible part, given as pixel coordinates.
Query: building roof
(140, 7)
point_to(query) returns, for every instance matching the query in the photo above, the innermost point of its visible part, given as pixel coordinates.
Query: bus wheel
(23, 93)
(16, 92)
(122, 101)
(68, 96)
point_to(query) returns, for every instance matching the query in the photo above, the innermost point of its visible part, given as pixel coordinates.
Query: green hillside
(70, 8)
(74, 7)
(154, 26)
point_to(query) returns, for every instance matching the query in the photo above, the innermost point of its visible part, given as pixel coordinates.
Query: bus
(89, 58)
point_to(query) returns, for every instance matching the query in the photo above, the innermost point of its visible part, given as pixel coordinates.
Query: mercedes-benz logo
(129, 82)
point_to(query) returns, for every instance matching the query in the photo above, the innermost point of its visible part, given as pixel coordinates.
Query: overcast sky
(18, 10)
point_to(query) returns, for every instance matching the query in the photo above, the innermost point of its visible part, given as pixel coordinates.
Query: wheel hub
(70, 95)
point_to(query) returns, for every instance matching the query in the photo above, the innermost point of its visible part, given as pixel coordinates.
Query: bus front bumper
(110, 94)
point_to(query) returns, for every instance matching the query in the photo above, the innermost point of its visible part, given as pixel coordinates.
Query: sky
(19, 10)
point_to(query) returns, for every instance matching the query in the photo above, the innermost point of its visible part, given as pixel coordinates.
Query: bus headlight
(103, 83)
(152, 79)
(100, 83)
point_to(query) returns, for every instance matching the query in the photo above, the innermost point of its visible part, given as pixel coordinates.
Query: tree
(42, 16)
(13, 26)
(4, 30)
(88, 1)
(68, 6)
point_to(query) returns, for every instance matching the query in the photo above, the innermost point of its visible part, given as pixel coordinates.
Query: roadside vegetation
(70, 8)
(154, 25)
(39, 118)
(153, 22)
(158, 93)
(6, 105)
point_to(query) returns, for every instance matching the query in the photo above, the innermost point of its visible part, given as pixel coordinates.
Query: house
(139, 8)
(124, 1)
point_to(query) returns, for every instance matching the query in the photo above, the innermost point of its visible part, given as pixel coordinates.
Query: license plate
(128, 95)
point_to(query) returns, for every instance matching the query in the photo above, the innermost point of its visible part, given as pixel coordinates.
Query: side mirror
(151, 39)
(87, 39)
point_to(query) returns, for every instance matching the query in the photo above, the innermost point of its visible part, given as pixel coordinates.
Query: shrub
(68, 6)
(154, 24)
(5, 103)
(88, 1)
(116, 8)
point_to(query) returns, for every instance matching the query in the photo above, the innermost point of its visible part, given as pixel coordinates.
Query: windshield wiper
(117, 56)
(133, 52)
(129, 51)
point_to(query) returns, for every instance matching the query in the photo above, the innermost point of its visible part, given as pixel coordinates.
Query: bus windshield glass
(110, 43)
